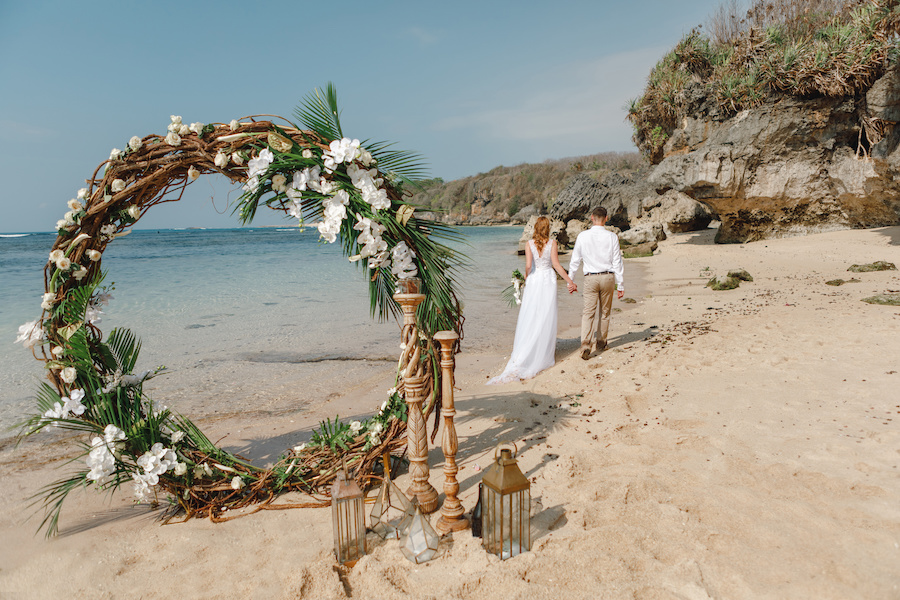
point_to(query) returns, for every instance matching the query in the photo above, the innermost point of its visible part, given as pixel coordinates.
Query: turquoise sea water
(195, 295)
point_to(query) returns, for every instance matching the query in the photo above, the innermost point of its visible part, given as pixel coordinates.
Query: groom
(603, 273)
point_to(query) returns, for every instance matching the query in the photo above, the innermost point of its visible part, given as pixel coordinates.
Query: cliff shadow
(704, 237)
(892, 233)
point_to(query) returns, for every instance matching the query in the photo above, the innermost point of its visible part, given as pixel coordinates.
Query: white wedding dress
(534, 348)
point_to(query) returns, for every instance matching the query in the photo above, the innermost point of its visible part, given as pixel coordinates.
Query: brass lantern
(506, 506)
(348, 517)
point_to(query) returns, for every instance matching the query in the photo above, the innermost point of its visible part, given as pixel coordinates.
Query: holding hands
(573, 288)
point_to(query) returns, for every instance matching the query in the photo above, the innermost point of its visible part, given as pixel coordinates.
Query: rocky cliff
(790, 166)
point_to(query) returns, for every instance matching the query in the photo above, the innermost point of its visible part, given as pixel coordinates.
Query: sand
(731, 444)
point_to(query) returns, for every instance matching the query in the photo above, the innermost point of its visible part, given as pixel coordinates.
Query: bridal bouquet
(513, 292)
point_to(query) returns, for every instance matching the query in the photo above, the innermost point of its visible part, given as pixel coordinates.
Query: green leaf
(319, 112)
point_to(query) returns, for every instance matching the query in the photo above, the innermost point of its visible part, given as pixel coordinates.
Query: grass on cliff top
(801, 48)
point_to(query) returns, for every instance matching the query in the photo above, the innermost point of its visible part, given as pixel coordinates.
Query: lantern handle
(501, 444)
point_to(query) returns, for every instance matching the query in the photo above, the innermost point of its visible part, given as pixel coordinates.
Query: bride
(534, 346)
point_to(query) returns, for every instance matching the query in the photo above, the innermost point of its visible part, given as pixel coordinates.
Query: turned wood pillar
(414, 383)
(452, 518)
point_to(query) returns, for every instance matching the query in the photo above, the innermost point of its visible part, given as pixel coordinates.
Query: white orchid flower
(73, 403)
(30, 334)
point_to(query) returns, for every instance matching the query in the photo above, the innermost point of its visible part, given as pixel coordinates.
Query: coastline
(736, 444)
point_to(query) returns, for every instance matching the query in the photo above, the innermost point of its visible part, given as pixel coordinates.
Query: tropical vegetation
(802, 48)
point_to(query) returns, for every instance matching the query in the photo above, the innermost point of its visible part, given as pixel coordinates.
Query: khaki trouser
(598, 289)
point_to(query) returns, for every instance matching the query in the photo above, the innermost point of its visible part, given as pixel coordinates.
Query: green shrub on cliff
(795, 47)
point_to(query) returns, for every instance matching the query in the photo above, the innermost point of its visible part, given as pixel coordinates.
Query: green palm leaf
(319, 112)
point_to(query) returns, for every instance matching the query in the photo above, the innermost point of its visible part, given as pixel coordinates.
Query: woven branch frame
(120, 191)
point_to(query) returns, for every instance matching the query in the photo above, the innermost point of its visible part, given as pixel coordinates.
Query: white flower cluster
(75, 211)
(101, 459)
(94, 307)
(48, 300)
(31, 334)
(176, 130)
(256, 167)
(156, 461)
(375, 429)
(335, 211)
(340, 151)
(63, 263)
(72, 404)
(108, 231)
(373, 247)
(517, 292)
(403, 266)
(369, 186)
(387, 403)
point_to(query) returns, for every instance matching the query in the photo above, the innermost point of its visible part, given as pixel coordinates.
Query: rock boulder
(791, 166)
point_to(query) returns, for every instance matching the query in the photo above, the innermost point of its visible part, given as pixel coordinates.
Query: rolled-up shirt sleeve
(618, 267)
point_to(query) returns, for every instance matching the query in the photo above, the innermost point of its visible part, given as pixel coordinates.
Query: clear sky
(469, 85)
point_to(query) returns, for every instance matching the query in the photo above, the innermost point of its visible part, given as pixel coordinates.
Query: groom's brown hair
(599, 212)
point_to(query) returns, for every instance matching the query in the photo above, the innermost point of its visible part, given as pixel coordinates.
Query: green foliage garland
(356, 192)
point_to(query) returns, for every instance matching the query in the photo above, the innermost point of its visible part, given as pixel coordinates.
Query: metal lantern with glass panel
(506, 506)
(419, 541)
(348, 517)
(392, 511)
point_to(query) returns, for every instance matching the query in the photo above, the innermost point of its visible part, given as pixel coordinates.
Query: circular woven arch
(92, 386)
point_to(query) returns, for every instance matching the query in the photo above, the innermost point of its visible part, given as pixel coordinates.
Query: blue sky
(469, 85)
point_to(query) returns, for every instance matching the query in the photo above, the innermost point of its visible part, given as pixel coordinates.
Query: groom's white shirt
(599, 248)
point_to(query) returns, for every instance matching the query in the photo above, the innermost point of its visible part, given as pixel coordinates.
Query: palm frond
(405, 164)
(319, 112)
(51, 498)
(124, 348)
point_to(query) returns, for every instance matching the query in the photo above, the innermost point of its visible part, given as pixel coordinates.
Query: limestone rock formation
(574, 227)
(790, 166)
(645, 232)
(557, 232)
(675, 212)
(620, 195)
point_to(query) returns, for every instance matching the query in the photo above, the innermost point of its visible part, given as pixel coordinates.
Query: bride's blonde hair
(541, 233)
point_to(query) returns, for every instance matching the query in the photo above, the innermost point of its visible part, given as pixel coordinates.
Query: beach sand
(732, 444)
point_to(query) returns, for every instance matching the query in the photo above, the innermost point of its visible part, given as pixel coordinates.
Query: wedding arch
(354, 193)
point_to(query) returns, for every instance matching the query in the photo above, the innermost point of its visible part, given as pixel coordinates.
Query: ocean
(207, 303)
